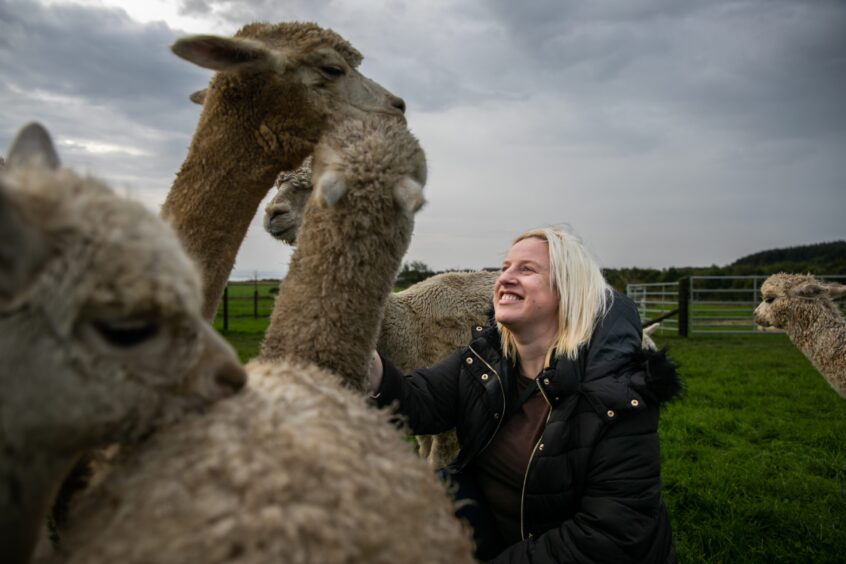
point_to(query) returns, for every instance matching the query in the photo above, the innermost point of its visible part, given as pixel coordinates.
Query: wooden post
(255, 304)
(684, 305)
(226, 309)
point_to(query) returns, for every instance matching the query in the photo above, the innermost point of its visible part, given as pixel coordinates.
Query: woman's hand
(374, 376)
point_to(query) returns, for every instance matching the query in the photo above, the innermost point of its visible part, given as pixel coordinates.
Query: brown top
(500, 469)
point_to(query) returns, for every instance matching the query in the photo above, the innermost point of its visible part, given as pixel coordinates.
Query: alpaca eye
(332, 71)
(126, 333)
(769, 299)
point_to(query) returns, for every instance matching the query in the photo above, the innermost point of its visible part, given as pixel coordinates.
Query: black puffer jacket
(592, 491)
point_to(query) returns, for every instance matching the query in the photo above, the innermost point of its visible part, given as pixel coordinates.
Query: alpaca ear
(409, 194)
(808, 290)
(331, 187)
(33, 145)
(219, 53)
(199, 97)
(836, 290)
(23, 248)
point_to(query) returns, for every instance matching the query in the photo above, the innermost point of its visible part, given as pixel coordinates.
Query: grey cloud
(96, 54)
(774, 68)
(95, 77)
(255, 10)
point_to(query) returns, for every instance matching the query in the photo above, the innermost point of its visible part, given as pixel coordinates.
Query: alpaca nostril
(398, 103)
(231, 378)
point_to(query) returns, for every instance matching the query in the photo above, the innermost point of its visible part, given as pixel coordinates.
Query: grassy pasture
(753, 457)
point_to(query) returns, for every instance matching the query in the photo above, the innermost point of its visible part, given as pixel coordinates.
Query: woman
(556, 411)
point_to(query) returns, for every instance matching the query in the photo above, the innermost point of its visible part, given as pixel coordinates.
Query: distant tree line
(820, 258)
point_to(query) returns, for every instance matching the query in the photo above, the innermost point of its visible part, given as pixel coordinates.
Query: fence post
(255, 304)
(226, 309)
(684, 304)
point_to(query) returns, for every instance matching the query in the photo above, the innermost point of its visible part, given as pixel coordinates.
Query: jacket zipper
(502, 391)
(529, 465)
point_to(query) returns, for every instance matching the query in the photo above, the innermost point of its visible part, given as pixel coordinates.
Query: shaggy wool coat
(592, 491)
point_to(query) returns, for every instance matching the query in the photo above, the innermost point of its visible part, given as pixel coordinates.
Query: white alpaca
(423, 323)
(296, 468)
(803, 307)
(93, 348)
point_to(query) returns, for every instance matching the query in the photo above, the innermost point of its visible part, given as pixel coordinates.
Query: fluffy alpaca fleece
(298, 468)
(93, 349)
(280, 86)
(803, 307)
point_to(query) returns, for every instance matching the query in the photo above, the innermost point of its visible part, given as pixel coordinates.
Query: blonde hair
(583, 294)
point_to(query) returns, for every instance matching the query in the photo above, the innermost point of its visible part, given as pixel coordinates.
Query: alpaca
(298, 467)
(342, 272)
(421, 324)
(94, 350)
(279, 87)
(283, 216)
(803, 307)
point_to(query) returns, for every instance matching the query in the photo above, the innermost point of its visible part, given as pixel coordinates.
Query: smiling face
(524, 299)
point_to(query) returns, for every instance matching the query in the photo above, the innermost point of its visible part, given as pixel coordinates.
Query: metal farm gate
(656, 300)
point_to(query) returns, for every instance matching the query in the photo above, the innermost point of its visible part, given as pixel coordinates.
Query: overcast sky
(665, 133)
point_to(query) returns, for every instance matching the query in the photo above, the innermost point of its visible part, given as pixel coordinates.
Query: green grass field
(753, 457)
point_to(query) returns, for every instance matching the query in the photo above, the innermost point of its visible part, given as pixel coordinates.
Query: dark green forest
(819, 258)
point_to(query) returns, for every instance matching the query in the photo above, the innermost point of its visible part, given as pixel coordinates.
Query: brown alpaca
(279, 87)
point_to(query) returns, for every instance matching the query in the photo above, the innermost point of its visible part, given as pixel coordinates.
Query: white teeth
(509, 298)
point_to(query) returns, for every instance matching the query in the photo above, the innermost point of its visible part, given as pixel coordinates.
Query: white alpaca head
(101, 335)
(350, 151)
(791, 299)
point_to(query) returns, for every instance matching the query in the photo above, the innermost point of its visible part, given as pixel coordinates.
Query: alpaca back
(296, 468)
(430, 319)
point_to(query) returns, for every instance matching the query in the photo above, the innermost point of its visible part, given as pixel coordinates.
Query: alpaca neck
(232, 163)
(28, 485)
(331, 302)
(822, 339)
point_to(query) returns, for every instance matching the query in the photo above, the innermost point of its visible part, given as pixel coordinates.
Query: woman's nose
(505, 277)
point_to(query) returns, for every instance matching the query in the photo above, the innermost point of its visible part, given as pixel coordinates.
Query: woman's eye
(126, 334)
(332, 71)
